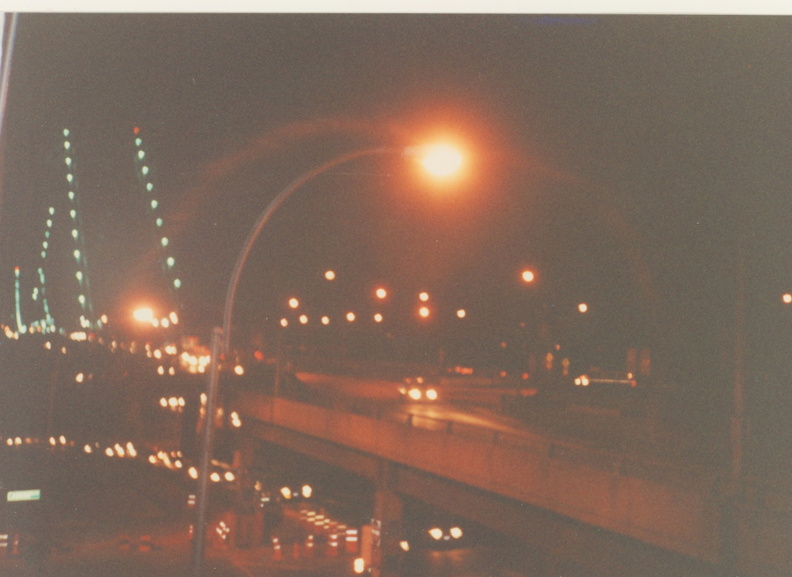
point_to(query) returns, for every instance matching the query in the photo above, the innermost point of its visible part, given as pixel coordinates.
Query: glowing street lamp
(439, 160)
(144, 315)
(528, 276)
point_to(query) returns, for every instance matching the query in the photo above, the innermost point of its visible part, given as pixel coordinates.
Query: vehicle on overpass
(418, 389)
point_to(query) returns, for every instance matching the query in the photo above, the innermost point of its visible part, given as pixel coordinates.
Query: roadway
(480, 407)
(105, 516)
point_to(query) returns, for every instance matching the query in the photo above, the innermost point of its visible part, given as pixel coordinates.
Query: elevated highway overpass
(603, 512)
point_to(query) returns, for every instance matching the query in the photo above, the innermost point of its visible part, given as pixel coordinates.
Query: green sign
(26, 495)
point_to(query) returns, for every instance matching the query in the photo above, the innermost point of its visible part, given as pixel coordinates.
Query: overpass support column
(388, 511)
(244, 452)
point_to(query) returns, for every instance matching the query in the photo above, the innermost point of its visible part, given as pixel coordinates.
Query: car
(418, 389)
(608, 379)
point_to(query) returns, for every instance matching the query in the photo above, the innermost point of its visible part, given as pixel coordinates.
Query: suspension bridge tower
(165, 253)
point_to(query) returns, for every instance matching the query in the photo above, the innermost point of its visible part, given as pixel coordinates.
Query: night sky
(622, 158)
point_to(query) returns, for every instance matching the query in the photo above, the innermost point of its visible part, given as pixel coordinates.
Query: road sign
(26, 495)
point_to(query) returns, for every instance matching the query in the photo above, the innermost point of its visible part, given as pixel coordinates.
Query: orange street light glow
(350, 316)
(303, 319)
(381, 293)
(424, 296)
(294, 303)
(377, 318)
(330, 275)
(144, 315)
(423, 312)
(441, 160)
(583, 307)
(461, 313)
(787, 298)
(528, 276)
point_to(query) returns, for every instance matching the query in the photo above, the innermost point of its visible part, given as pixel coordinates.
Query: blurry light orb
(424, 296)
(787, 298)
(144, 315)
(294, 303)
(239, 370)
(229, 476)
(303, 319)
(528, 276)
(284, 323)
(583, 307)
(215, 477)
(423, 312)
(461, 313)
(330, 275)
(381, 293)
(378, 318)
(441, 159)
(350, 316)
(325, 320)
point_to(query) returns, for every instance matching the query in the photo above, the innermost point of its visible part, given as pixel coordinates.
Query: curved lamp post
(439, 160)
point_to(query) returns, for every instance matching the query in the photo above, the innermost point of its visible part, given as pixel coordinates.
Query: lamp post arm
(264, 217)
(221, 341)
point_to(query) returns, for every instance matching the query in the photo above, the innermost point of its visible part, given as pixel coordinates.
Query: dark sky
(619, 156)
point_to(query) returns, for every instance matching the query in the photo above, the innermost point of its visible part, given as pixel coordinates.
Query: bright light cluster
(194, 363)
(174, 404)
